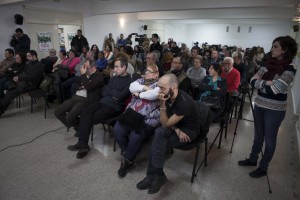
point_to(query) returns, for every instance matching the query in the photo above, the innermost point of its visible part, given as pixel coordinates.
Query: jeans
(129, 140)
(164, 137)
(267, 123)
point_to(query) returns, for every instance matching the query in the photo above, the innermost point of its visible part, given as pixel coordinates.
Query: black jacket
(32, 74)
(93, 85)
(78, 43)
(21, 45)
(115, 93)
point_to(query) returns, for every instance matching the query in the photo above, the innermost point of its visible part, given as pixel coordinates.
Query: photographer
(20, 42)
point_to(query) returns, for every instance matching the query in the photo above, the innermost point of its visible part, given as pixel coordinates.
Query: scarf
(149, 82)
(275, 67)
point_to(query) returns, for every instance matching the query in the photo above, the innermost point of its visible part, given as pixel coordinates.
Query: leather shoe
(247, 162)
(82, 152)
(145, 183)
(156, 183)
(76, 147)
(258, 173)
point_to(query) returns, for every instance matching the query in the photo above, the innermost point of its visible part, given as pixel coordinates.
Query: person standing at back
(20, 42)
(272, 83)
(79, 41)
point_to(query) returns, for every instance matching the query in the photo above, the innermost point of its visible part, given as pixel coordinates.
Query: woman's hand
(256, 76)
(269, 82)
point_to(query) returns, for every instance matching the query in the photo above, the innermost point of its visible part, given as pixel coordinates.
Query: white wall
(261, 35)
(176, 31)
(8, 26)
(7, 13)
(98, 27)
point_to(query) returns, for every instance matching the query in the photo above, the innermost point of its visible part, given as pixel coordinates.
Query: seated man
(87, 92)
(49, 61)
(5, 65)
(183, 80)
(241, 67)
(7, 62)
(27, 80)
(231, 75)
(180, 125)
(114, 95)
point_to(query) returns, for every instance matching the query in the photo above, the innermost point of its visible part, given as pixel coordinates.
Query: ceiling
(195, 11)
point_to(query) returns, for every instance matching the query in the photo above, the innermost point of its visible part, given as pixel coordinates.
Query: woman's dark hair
(22, 56)
(288, 45)
(73, 51)
(94, 45)
(217, 68)
(63, 52)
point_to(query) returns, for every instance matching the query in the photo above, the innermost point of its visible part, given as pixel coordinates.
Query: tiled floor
(44, 169)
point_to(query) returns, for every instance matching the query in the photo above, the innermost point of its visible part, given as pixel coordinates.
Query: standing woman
(272, 83)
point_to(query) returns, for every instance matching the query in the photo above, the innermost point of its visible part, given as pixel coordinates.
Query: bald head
(170, 80)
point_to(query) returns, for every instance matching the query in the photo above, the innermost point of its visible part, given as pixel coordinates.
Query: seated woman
(214, 85)
(95, 50)
(196, 74)
(64, 71)
(144, 101)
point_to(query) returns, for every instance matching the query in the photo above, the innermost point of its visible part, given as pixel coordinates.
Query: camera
(196, 43)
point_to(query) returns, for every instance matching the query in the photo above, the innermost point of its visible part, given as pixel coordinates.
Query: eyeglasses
(148, 71)
(148, 58)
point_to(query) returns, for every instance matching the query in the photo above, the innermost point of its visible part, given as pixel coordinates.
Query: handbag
(63, 72)
(132, 119)
(211, 101)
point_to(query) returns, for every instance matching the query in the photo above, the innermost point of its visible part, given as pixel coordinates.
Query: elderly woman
(144, 101)
(214, 85)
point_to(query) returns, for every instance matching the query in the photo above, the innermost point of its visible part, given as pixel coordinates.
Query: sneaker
(156, 183)
(145, 183)
(82, 152)
(125, 166)
(258, 173)
(76, 147)
(247, 162)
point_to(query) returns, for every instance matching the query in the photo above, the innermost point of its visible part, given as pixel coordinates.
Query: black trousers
(10, 95)
(163, 138)
(69, 111)
(94, 114)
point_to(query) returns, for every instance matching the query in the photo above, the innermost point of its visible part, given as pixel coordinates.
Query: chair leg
(115, 145)
(92, 133)
(205, 153)
(195, 163)
(31, 103)
(103, 127)
(46, 104)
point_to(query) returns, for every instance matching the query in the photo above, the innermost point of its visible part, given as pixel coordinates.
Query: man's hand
(16, 78)
(82, 70)
(183, 137)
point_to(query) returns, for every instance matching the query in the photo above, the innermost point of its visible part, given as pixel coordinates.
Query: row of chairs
(205, 118)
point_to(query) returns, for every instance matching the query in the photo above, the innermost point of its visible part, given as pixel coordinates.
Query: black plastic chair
(38, 93)
(110, 123)
(205, 119)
